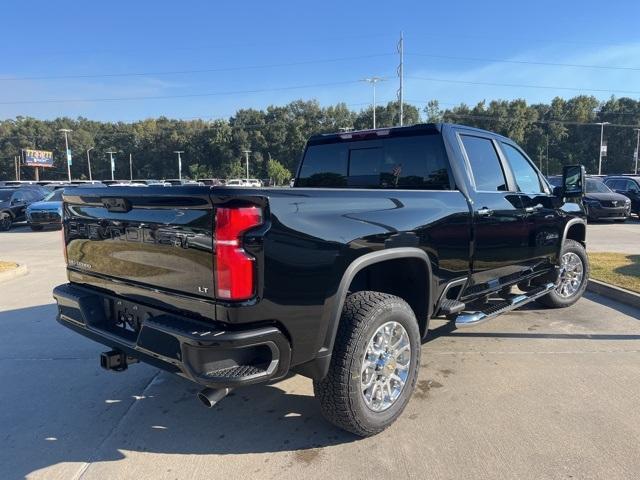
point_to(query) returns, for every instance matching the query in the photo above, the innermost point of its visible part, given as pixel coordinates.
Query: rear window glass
(413, 162)
(485, 165)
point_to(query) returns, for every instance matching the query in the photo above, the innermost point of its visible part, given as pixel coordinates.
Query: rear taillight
(235, 269)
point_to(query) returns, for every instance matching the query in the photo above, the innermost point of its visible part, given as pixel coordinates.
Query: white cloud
(582, 79)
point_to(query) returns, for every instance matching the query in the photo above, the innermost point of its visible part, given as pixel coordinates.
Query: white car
(236, 182)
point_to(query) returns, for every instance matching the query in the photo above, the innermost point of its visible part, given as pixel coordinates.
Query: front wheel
(374, 365)
(574, 276)
(5, 222)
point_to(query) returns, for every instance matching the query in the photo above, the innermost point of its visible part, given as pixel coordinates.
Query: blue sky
(209, 58)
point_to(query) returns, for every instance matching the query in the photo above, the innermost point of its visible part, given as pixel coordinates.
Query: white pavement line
(561, 352)
(87, 464)
(32, 359)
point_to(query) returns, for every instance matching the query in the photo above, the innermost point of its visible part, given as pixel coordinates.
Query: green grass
(619, 269)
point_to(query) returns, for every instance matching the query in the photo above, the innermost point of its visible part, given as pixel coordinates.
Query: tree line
(555, 134)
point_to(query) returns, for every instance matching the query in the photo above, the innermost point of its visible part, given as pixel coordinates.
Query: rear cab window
(486, 169)
(416, 161)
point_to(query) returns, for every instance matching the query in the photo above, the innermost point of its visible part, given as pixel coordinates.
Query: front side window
(485, 164)
(632, 186)
(526, 176)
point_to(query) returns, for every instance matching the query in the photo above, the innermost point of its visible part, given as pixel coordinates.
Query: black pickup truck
(335, 278)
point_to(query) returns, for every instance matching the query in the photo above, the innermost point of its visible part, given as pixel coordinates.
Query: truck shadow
(83, 414)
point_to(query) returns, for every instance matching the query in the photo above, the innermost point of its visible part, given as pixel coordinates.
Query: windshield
(596, 186)
(55, 196)
(5, 195)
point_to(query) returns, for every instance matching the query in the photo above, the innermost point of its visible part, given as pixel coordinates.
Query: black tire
(340, 394)
(554, 299)
(5, 222)
(36, 228)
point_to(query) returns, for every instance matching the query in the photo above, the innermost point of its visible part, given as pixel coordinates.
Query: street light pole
(373, 81)
(602, 124)
(179, 163)
(66, 144)
(246, 155)
(113, 165)
(635, 171)
(130, 167)
(89, 162)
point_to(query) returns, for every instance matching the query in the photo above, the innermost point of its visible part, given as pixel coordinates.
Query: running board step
(467, 319)
(451, 307)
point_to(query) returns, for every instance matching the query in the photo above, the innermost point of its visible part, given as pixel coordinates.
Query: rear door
(152, 237)
(500, 234)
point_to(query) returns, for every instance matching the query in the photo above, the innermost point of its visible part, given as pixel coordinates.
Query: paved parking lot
(614, 237)
(533, 394)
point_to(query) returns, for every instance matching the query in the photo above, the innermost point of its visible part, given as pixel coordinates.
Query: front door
(541, 209)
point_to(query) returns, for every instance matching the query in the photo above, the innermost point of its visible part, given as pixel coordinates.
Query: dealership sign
(37, 158)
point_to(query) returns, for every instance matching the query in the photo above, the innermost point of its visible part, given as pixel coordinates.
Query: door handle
(485, 212)
(533, 209)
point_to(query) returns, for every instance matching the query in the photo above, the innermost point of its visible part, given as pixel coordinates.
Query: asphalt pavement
(614, 237)
(534, 394)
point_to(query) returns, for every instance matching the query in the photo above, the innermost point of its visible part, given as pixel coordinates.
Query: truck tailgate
(154, 237)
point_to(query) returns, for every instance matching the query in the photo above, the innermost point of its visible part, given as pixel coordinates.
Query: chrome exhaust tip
(211, 396)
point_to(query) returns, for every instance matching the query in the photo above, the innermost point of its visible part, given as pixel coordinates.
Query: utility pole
(373, 81)
(130, 167)
(113, 165)
(246, 154)
(89, 162)
(179, 163)
(401, 77)
(17, 165)
(547, 155)
(637, 152)
(602, 124)
(66, 144)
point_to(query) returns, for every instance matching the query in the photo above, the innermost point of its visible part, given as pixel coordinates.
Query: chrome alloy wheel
(385, 366)
(571, 274)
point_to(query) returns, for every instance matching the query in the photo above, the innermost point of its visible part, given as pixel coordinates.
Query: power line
(525, 62)
(216, 46)
(202, 70)
(544, 122)
(522, 85)
(188, 95)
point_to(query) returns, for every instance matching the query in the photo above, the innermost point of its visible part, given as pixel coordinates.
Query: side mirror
(573, 181)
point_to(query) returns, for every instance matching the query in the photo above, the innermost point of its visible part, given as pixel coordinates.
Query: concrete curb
(19, 271)
(618, 294)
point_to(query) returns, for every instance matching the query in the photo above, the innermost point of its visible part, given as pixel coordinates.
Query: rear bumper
(207, 353)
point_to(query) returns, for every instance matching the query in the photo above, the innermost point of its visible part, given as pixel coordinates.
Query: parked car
(14, 201)
(236, 182)
(211, 181)
(336, 278)
(48, 211)
(627, 185)
(600, 202)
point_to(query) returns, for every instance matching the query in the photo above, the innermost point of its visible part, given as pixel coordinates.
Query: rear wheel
(374, 365)
(574, 276)
(5, 222)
